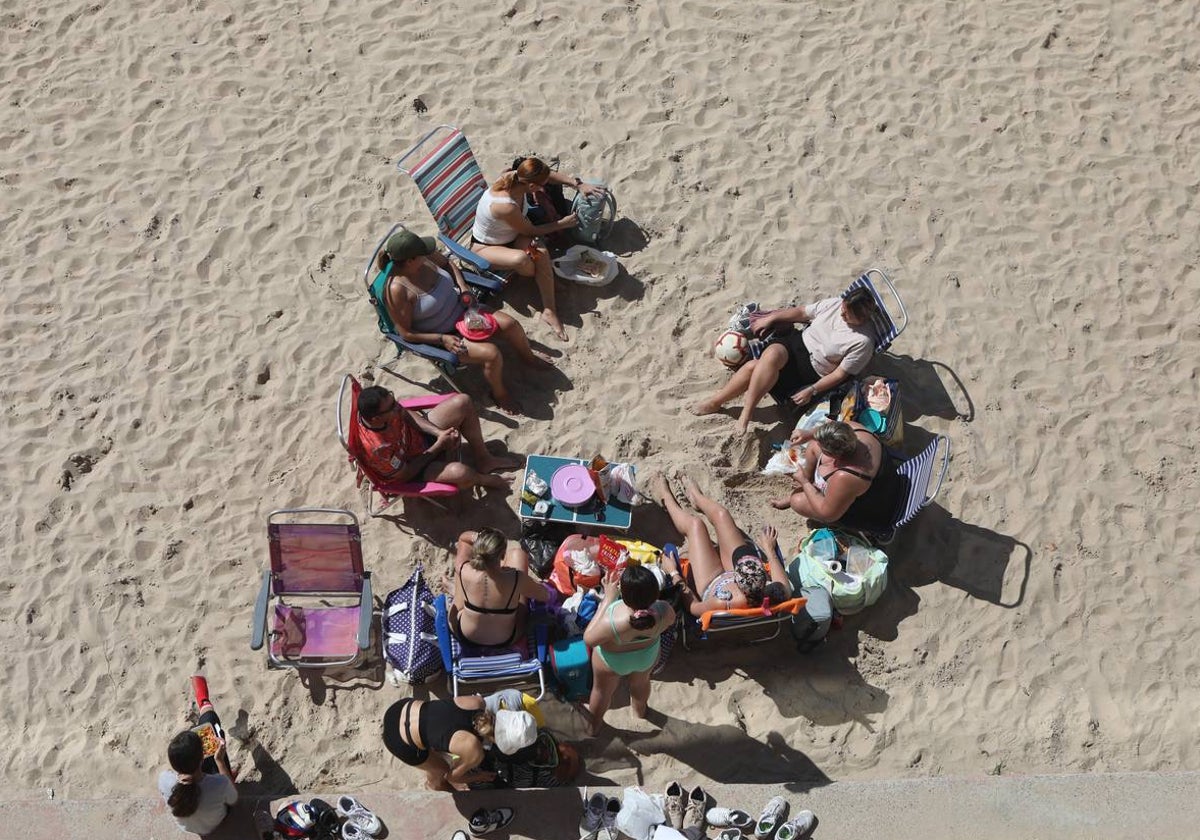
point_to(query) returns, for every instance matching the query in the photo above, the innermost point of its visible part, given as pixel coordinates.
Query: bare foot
(781, 504)
(496, 482)
(507, 404)
(692, 491)
(593, 725)
(540, 361)
(743, 426)
(660, 488)
(639, 709)
(704, 407)
(492, 464)
(551, 319)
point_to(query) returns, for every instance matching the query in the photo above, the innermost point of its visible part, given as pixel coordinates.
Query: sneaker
(729, 818)
(593, 815)
(485, 820)
(696, 809)
(799, 827)
(358, 814)
(676, 802)
(771, 818)
(609, 820)
(730, 834)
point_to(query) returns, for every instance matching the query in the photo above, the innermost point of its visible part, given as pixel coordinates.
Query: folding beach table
(615, 514)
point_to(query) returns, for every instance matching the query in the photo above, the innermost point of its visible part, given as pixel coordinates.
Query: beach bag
(563, 577)
(543, 764)
(891, 430)
(854, 579)
(595, 214)
(409, 636)
(571, 668)
(811, 625)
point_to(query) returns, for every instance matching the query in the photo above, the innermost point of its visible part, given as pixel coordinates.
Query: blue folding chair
(375, 278)
(518, 666)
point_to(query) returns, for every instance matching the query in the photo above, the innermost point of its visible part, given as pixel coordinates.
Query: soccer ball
(732, 349)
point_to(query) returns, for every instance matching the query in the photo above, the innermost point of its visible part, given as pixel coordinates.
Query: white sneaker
(593, 815)
(799, 827)
(729, 818)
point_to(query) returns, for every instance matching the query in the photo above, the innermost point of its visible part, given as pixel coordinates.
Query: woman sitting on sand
(424, 300)
(624, 638)
(198, 790)
(504, 237)
(492, 587)
(847, 478)
(731, 575)
(836, 345)
(446, 738)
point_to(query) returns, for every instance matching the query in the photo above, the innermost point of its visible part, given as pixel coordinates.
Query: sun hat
(514, 731)
(404, 244)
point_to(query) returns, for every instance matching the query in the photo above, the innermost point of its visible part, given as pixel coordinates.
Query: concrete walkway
(1116, 806)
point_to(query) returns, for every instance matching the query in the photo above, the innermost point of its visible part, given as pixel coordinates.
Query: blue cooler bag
(572, 669)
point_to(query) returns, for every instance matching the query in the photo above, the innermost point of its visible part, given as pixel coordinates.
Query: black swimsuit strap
(507, 609)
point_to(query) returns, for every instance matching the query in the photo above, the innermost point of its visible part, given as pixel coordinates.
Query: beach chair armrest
(937, 485)
(258, 630)
(463, 253)
(366, 608)
(427, 351)
(900, 319)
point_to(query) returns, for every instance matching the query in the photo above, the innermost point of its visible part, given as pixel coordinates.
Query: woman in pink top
(835, 346)
(509, 241)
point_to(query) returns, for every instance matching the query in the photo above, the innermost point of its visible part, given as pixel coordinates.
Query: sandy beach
(189, 192)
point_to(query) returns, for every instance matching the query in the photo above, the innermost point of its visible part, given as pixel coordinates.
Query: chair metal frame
(259, 634)
(909, 512)
(453, 664)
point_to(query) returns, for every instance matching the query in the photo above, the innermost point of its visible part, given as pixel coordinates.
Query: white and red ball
(732, 348)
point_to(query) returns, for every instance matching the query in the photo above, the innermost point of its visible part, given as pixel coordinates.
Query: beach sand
(189, 192)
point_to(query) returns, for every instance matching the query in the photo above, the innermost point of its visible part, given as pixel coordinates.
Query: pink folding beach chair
(351, 439)
(315, 607)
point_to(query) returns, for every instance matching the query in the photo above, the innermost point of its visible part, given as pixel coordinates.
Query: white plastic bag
(639, 815)
(786, 461)
(623, 483)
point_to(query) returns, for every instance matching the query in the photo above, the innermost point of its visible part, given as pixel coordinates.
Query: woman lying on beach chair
(797, 366)
(424, 296)
(730, 575)
(504, 237)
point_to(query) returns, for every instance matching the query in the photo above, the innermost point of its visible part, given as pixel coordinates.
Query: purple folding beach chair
(322, 609)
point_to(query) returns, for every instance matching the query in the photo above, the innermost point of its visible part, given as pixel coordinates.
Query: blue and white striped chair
(518, 666)
(444, 169)
(918, 472)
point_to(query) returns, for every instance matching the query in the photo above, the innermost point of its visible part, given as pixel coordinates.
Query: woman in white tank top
(505, 238)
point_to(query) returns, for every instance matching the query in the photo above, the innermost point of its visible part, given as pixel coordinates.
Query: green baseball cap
(405, 244)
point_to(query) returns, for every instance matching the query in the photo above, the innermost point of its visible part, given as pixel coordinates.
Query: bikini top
(819, 481)
(613, 624)
(507, 609)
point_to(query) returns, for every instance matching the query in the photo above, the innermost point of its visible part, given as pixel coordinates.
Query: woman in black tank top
(418, 733)
(847, 478)
(491, 587)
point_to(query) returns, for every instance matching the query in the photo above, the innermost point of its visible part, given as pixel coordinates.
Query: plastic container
(588, 266)
(824, 547)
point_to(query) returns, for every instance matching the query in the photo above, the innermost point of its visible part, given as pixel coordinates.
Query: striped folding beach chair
(918, 473)
(444, 169)
(517, 666)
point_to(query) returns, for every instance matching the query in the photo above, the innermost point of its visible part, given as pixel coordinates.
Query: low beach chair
(518, 666)
(445, 171)
(918, 471)
(447, 363)
(771, 616)
(316, 596)
(351, 440)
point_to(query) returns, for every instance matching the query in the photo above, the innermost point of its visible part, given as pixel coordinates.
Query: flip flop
(485, 821)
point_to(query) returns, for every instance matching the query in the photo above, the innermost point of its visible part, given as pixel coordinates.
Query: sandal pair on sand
(485, 821)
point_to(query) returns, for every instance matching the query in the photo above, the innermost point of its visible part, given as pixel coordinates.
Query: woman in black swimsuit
(847, 478)
(491, 587)
(418, 731)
